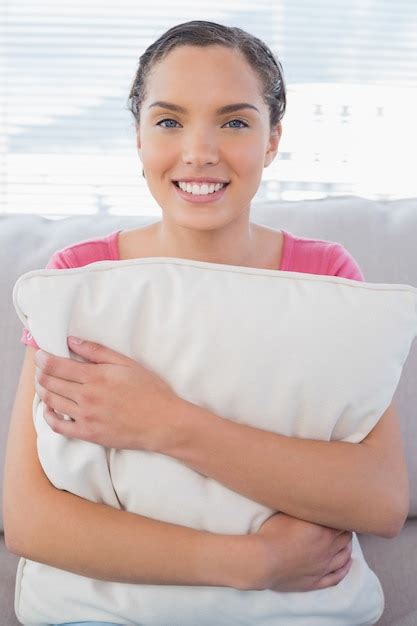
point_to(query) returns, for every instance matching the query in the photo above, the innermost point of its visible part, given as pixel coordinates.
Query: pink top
(299, 254)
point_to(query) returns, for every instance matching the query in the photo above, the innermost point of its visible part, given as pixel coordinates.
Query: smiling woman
(207, 101)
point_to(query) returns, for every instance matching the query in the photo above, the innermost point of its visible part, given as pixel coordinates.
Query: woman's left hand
(113, 400)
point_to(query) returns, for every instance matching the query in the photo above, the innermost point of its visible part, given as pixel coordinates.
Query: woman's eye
(166, 120)
(245, 125)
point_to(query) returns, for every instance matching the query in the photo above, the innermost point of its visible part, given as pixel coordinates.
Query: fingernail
(74, 340)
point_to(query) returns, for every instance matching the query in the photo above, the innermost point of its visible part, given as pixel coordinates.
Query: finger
(340, 559)
(65, 388)
(334, 578)
(57, 402)
(61, 367)
(341, 571)
(59, 424)
(342, 541)
(49, 413)
(97, 353)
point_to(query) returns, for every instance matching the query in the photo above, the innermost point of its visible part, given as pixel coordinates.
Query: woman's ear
(273, 144)
(138, 144)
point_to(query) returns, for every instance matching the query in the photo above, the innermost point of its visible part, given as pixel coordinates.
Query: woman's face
(200, 141)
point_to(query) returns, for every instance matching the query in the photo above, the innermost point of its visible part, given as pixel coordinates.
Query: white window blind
(67, 143)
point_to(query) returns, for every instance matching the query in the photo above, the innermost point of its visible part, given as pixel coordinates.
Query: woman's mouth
(200, 198)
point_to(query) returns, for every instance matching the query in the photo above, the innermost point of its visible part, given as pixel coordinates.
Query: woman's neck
(262, 248)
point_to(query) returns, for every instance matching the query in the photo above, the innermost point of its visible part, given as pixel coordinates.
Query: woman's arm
(361, 488)
(60, 529)
(51, 526)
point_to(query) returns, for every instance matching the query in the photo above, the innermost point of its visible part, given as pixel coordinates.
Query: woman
(208, 102)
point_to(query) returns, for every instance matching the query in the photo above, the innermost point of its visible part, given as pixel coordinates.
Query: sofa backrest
(381, 236)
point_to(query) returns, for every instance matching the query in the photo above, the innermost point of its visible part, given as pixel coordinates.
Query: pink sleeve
(343, 264)
(77, 255)
(57, 261)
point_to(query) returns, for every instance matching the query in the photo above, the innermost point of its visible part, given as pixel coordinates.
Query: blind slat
(67, 139)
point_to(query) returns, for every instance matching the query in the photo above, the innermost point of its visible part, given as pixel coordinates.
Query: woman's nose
(200, 149)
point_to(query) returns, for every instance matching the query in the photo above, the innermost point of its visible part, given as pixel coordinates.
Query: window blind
(67, 142)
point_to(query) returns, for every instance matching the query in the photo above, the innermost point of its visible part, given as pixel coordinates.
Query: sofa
(381, 236)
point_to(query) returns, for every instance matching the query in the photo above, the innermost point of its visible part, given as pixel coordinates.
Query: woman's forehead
(212, 64)
(187, 82)
(189, 52)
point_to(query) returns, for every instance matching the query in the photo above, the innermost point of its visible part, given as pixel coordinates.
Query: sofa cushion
(395, 562)
(8, 566)
(298, 354)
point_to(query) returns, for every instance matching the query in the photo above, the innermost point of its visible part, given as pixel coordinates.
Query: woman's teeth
(200, 189)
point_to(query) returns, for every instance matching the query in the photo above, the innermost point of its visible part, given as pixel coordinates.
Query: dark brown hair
(203, 33)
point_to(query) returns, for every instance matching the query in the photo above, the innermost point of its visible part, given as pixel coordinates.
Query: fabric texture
(299, 254)
(183, 319)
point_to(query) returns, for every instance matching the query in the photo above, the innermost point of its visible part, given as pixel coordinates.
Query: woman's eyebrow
(228, 108)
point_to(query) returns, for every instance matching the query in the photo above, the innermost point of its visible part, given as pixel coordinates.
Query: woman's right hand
(296, 555)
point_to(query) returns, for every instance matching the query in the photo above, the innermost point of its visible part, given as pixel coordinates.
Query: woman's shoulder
(104, 248)
(76, 255)
(318, 256)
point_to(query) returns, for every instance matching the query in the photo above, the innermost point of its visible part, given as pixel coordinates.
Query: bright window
(67, 142)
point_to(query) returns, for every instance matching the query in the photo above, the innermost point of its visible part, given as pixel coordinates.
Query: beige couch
(382, 236)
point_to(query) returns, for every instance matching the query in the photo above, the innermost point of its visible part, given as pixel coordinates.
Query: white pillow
(303, 355)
